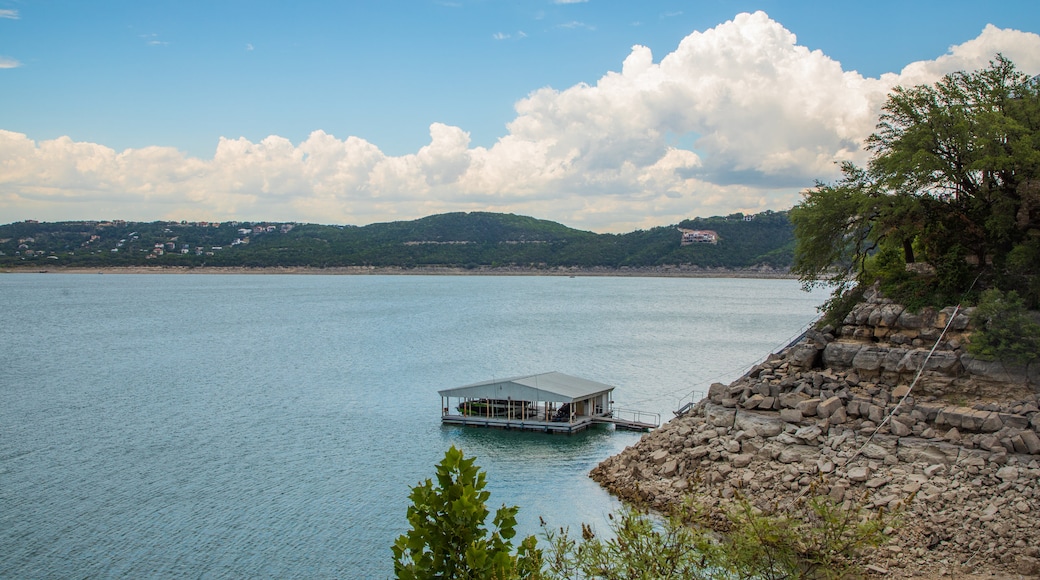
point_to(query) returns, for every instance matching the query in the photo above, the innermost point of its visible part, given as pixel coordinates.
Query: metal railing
(686, 403)
(638, 416)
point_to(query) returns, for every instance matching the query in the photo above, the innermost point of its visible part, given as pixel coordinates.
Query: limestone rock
(828, 407)
(791, 416)
(1009, 473)
(839, 355)
(764, 426)
(742, 460)
(808, 407)
(859, 473)
(899, 429)
(1031, 441)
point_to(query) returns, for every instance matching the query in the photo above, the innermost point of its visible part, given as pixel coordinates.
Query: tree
(953, 181)
(448, 538)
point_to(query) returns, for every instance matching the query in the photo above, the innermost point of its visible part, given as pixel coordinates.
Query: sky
(607, 116)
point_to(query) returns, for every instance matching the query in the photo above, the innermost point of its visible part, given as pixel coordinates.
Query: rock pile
(834, 414)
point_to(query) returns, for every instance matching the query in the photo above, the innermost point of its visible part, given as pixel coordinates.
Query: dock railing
(637, 417)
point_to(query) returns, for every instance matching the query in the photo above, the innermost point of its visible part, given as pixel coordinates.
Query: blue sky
(154, 110)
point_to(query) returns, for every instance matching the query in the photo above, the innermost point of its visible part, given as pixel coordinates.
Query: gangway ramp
(631, 420)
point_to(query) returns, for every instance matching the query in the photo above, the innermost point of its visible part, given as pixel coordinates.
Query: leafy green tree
(953, 181)
(448, 537)
(836, 230)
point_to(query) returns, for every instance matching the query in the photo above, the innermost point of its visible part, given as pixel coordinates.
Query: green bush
(448, 537)
(817, 539)
(1004, 330)
(814, 538)
(639, 547)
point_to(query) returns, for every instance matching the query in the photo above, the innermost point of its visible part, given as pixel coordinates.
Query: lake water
(271, 426)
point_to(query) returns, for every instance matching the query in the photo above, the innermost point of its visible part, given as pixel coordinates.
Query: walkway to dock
(631, 420)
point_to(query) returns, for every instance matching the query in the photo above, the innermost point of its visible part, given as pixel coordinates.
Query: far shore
(650, 272)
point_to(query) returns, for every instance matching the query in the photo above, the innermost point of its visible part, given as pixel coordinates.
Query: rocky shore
(958, 455)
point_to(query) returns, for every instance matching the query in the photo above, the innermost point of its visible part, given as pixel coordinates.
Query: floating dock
(548, 402)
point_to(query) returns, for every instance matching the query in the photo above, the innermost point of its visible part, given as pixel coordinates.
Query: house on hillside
(698, 237)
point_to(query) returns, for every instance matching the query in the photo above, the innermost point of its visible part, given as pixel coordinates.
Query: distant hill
(466, 240)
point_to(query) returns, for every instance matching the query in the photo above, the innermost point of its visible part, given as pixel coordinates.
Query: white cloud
(569, 1)
(736, 118)
(576, 24)
(8, 62)
(9, 13)
(152, 39)
(520, 34)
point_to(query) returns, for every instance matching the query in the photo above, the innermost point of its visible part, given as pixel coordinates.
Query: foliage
(835, 231)
(1004, 329)
(815, 538)
(820, 540)
(448, 537)
(639, 547)
(953, 182)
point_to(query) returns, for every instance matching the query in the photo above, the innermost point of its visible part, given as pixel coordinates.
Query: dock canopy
(550, 387)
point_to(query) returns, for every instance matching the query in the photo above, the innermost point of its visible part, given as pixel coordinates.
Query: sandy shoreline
(662, 272)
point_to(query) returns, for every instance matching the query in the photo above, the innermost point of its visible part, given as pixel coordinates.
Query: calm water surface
(271, 426)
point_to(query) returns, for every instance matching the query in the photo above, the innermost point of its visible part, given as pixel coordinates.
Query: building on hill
(698, 237)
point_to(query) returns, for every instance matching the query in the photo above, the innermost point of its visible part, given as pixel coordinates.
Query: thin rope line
(912, 384)
(918, 376)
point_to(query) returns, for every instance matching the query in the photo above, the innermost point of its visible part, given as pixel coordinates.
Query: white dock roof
(555, 387)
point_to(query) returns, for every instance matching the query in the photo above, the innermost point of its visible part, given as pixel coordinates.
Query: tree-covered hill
(455, 239)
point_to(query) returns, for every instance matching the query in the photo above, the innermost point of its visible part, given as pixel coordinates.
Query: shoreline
(836, 415)
(649, 272)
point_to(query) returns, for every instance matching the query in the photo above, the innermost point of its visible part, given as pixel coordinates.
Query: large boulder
(943, 361)
(868, 359)
(839, 355)
(764, 425)
(804, 355)
(996, 371)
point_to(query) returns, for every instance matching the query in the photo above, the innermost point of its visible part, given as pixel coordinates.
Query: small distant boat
(497, 408)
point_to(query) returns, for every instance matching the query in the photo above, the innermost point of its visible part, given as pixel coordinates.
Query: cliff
(868, 412)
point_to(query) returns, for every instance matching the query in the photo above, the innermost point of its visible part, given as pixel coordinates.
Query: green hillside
(468, 240)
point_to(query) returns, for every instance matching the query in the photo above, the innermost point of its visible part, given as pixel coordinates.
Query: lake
(271, 426)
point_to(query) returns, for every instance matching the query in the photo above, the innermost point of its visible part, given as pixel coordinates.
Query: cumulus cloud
(9, 13)
(736, 118)
(8, 62)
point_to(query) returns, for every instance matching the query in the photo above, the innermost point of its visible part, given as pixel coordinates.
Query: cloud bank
(736, 118)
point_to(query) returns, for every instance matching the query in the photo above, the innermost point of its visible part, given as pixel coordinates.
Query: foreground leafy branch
(448, 537)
